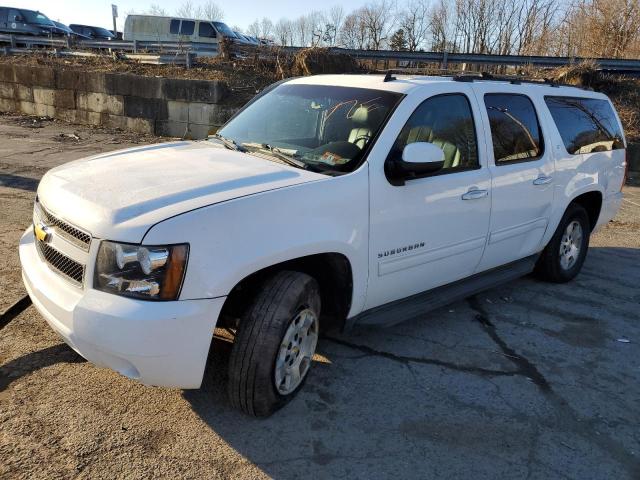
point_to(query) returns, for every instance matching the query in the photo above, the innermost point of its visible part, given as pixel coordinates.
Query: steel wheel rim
(570, 245)
(296, 351)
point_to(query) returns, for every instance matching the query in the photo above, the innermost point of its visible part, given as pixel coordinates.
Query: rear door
(522, 174)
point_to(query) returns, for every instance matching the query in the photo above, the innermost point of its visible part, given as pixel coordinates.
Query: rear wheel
(275, 344)
(563, 257)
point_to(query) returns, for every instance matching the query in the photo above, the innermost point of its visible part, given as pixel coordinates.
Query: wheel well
(591, 202)
(332, 271)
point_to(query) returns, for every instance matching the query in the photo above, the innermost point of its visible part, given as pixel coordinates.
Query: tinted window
(174, 27)
(13, 14)
(515, 131)
(585, 124)
(206, 30)
(447, 122)
(187, 27)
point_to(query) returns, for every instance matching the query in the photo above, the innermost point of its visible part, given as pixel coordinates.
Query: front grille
(60, 263)
(68, 232)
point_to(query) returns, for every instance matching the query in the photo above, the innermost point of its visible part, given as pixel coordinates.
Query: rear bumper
(157, 343)
(609, 209)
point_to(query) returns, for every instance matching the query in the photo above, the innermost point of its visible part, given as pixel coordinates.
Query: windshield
(325, 127)
(36, 17)
(224, 29)
(103, 32)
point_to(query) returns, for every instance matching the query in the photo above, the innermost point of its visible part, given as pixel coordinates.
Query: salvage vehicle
(25, 22)
(327, 201)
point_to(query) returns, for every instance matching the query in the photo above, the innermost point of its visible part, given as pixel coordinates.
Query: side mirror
(420, 159)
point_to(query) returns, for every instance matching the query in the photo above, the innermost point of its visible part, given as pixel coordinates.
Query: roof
(407, 83)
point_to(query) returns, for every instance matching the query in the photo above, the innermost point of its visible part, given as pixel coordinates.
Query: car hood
(120, 195)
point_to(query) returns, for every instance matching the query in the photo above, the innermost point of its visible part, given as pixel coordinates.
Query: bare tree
(378, 21)
(186, 10)
(354, 33)
(210, 10)
(414, 23)
(335, 17)
(283, 31)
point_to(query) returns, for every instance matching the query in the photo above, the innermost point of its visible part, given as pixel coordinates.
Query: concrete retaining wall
(161, 106)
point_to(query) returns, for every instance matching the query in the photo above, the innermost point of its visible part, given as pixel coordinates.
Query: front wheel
(275, 344)
(563, 257)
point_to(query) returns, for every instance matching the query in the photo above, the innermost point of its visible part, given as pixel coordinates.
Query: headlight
(141, 271)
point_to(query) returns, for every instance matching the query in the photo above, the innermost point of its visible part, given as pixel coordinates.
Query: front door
(430, 231)
(522, 175)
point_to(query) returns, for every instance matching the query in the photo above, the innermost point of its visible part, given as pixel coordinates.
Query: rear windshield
(586, 125)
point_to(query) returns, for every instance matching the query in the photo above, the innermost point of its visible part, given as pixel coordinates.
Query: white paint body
(240, 214)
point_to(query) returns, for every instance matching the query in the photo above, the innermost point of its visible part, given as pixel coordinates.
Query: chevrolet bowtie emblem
(41, 232)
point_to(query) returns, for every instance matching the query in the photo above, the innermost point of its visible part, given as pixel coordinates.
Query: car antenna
(389, 76)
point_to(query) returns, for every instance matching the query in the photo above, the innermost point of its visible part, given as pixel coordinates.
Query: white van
(152, 28)
(328, 200)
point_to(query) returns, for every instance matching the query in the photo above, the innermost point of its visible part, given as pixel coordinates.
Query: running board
(417, 305)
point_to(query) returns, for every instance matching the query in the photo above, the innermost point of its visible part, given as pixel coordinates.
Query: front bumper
(157, 343)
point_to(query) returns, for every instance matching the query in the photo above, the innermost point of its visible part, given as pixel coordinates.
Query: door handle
(475, 194)
(542, 180)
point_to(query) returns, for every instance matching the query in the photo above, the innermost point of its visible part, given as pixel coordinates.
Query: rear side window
(515, 131)
(447, 122)
(187, 27)
(206, 30)
(174, 27)
(586, 125)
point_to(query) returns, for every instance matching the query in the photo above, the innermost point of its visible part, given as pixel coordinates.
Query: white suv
(327, 200)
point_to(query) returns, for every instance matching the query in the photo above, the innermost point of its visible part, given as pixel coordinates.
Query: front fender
(231, 240)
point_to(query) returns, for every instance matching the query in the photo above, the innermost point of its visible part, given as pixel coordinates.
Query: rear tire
(562, 258)
(277, 334)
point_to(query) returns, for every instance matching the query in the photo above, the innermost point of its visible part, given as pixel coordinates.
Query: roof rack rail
(514, 80)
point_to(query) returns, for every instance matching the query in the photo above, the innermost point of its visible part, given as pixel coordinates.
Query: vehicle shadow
(17, 181)
(353, 398)
(33, 361)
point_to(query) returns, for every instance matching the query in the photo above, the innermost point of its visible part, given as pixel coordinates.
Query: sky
(236, 12)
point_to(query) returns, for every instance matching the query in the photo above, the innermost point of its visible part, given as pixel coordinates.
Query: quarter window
(447, 122)
(515, 131)
(187, 27)
(586, 125)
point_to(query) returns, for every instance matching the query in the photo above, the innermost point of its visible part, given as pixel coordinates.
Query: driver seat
(361, 133)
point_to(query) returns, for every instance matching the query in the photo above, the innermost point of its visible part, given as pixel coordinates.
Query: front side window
(515, 131)
(187, 27)
(447, 122)
(586, 125)
(35, 18)
(206, 30)
(327, 128)
(174, 27)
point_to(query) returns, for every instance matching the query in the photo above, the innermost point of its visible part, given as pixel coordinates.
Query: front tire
(562, 258)
(274, 344)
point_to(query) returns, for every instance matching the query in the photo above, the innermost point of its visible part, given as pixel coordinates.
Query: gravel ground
(529, 380)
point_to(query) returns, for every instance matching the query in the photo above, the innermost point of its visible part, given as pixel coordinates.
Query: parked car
(246, 39)
(24, 22)
(173, 29)
(327, 201)
(62, 29)
(94, 33)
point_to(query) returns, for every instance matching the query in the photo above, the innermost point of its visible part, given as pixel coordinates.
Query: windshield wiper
(229, 143)
(279, 154)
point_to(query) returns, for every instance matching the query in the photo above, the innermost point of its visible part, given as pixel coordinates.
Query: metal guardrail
(27, 41)
(211, 49)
